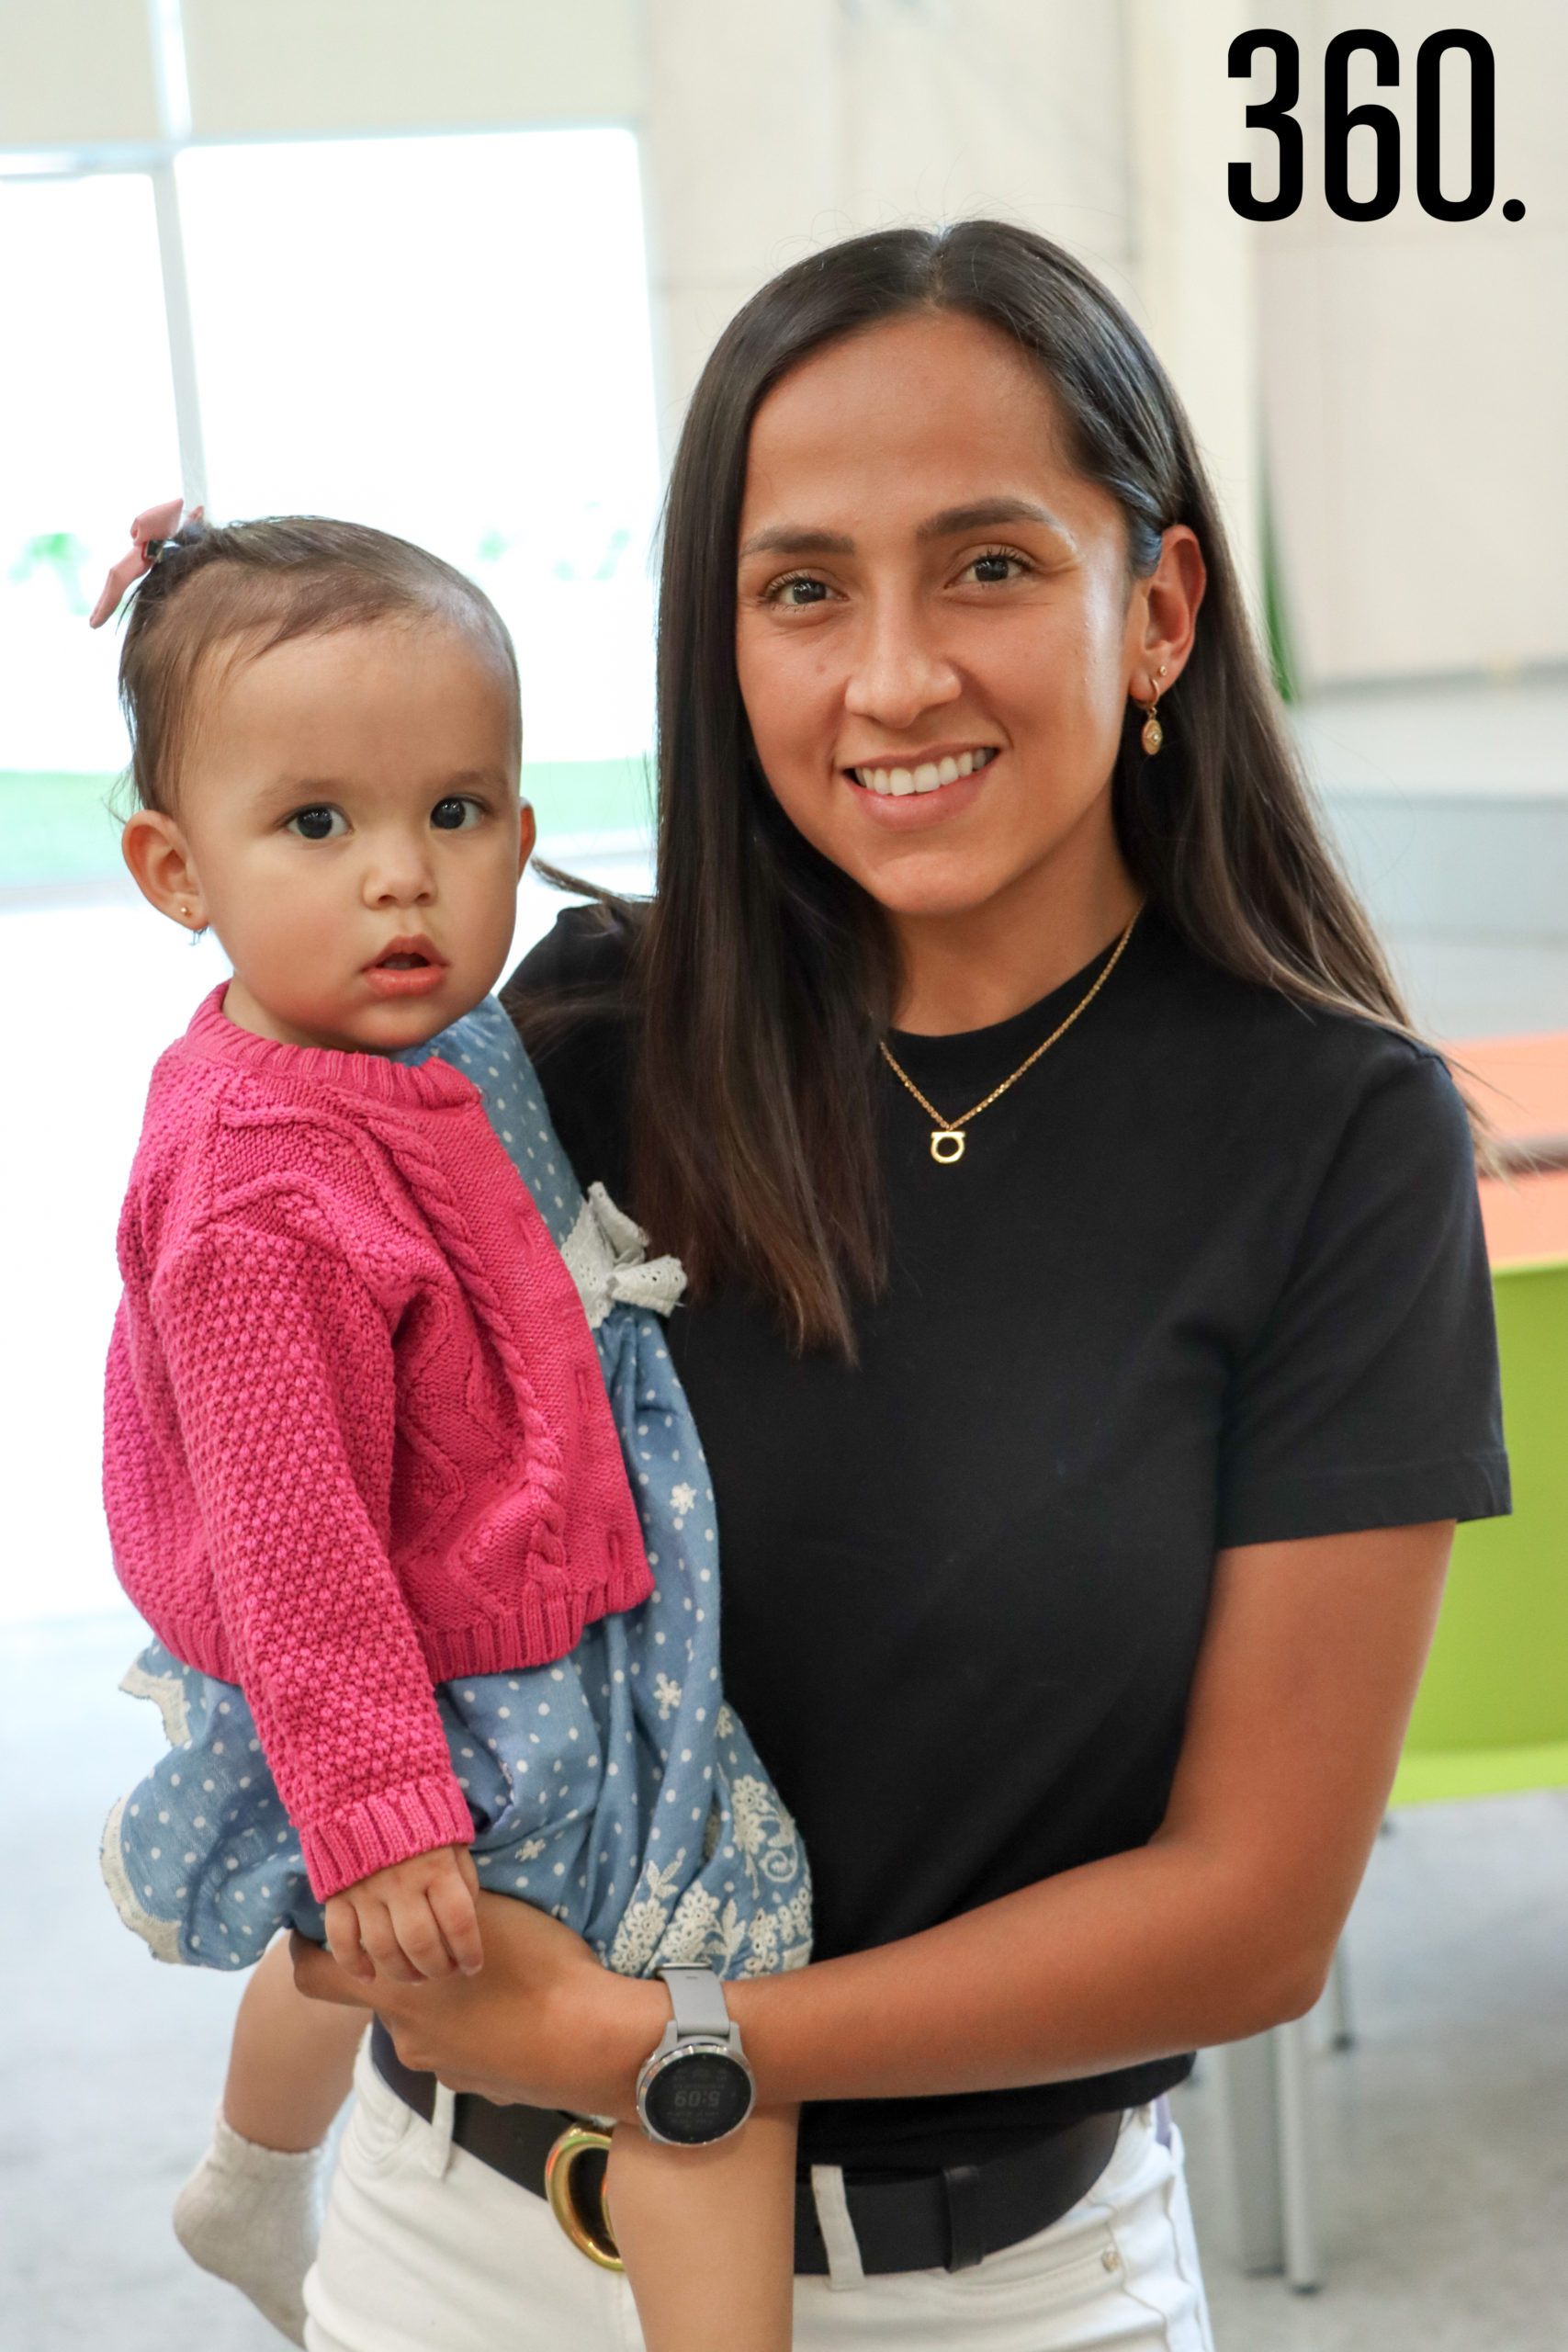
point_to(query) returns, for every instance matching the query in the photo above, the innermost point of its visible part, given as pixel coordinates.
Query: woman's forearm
(1167, 1948)
(1128, 1958)
(1131, 1958)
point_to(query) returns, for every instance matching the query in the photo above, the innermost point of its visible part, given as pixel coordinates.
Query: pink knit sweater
(356, 1438)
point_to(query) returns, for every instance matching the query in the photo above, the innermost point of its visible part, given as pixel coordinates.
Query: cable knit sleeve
(280, 1364)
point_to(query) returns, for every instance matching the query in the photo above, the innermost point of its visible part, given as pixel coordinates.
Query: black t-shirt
(1211, 1274)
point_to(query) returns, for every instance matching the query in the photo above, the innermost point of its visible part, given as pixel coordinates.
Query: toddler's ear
(530, 834)
(155, 850)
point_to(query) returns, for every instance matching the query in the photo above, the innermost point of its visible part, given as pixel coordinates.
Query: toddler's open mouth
(406, 967)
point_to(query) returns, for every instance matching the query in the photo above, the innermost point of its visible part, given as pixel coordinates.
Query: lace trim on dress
(167, 1693)
(607, 1256)
(162, 1935)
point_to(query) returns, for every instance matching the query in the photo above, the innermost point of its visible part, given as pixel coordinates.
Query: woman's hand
(544, 2023)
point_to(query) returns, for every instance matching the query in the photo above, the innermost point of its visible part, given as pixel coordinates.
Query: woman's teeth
(927, 777)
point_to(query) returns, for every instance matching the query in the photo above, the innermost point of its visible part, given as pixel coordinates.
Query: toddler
(371, 1405)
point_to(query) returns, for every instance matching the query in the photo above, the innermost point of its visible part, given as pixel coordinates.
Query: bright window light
(87, 428)
(448, 337)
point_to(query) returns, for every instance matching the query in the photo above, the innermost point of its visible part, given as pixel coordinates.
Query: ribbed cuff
(546, 1622)
(390, 1827)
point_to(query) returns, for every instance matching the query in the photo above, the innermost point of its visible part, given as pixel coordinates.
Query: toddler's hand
(413, 1920)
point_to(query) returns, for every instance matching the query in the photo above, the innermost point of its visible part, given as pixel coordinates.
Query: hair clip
(148, 534)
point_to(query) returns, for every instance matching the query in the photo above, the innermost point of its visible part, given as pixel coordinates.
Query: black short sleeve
(1369, 1397)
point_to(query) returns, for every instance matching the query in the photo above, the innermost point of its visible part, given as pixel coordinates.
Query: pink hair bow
(159, 523)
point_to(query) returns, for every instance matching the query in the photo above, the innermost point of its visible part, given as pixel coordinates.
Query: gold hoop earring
(1152, 734)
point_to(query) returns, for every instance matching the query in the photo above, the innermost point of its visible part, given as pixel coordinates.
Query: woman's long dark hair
(761, 976)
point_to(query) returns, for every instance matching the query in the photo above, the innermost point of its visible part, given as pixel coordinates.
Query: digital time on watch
(696, 2086)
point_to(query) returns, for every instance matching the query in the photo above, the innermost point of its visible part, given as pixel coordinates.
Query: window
(448, 337)
(445, 336)
(87, 425)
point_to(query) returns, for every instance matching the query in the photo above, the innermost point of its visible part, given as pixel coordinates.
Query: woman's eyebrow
(984, 516)
(797, 538)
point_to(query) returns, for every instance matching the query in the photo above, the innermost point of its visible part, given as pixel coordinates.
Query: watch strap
(696, 1998)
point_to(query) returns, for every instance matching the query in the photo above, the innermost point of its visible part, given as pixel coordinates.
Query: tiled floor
(1442, 2155)
(1444, 2134)
(110, 2064)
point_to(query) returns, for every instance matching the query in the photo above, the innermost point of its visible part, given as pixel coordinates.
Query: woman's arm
(1224, 1924)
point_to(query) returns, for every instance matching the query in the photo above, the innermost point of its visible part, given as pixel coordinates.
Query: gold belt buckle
(560, 2165)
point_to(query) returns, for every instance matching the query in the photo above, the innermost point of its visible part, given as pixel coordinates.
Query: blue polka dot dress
(614, 1789)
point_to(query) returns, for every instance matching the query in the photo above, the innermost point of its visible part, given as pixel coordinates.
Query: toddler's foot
(251, 2215)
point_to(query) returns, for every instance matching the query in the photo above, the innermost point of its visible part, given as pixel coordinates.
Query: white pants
(424, 2247)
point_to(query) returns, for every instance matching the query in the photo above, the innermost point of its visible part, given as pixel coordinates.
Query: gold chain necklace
(947, 1135)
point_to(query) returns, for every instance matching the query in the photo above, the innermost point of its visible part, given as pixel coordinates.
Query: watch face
(697, 2097)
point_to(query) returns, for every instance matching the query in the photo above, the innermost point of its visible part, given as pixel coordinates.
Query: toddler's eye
(319, 824)
(451, 815)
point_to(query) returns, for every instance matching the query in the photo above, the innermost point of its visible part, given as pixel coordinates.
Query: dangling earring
(1152, 734)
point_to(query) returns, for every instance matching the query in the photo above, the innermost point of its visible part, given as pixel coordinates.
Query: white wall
(1415, 379)
(771, 131)
(331, 66)
(72, 71)
(76, 71)
(1194, 259)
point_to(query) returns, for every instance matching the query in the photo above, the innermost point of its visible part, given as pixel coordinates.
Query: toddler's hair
(255, 585)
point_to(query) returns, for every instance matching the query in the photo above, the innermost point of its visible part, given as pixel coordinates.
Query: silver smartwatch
(696, 2086)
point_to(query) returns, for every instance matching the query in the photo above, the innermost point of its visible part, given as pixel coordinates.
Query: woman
(1091, 1337)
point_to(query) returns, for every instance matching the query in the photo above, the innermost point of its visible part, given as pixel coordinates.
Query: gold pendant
(1152, 734)
(947, 1147)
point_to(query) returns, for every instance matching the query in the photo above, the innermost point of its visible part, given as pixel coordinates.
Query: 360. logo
(1340, 118)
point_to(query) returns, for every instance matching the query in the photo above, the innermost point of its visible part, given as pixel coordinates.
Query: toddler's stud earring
(1152, 734)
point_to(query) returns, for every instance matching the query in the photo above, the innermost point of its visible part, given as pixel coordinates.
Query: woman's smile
(913, 791)
(901, 772)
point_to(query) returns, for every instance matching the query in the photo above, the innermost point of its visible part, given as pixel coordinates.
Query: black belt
(933, 2220)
